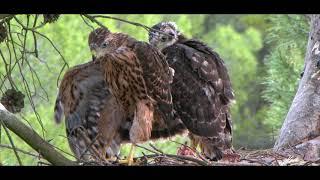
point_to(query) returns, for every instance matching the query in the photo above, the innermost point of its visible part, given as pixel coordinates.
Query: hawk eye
(104, 45)
(163, 38)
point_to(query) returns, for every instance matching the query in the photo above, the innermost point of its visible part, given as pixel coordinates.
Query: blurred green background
(264, 55)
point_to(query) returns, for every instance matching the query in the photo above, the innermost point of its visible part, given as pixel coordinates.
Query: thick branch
(34, 140)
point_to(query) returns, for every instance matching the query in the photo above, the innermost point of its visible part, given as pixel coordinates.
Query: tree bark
(303, 119)
(33, 139)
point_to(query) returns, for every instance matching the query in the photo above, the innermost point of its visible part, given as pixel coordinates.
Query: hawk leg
(129, 160)
(142, 122)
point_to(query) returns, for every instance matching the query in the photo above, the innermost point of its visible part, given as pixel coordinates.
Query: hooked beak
(152, 41)
(93, 51)
(94, 54)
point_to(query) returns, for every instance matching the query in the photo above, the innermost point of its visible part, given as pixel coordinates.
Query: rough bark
(302, 122)
(33, 139)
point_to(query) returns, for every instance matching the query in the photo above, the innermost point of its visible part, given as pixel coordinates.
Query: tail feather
(58, 110)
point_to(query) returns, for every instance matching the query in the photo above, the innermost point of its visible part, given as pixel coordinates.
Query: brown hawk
(94, 123)
(110, 113)
(83, 95)
(139, 78)
(201, 89)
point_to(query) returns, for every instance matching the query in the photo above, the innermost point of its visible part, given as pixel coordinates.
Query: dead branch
(34, 140)
(19, 150)
(94, 18)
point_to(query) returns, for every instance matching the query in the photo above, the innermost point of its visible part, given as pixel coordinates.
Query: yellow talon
(129, 159)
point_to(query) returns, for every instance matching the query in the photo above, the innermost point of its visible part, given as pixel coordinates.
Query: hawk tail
(58, 110)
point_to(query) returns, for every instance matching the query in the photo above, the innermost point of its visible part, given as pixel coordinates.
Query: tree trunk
(302, 122)
(33, 139)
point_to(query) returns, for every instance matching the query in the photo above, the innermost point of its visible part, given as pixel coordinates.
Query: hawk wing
(157, 77)
(83, 94)
(213, 71)
(85, 101)
(201, 88)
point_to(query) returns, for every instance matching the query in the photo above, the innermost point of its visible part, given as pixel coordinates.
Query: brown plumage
(201, 89)
(139, 78)
(94, 122)
(93, 118)
(82, 96)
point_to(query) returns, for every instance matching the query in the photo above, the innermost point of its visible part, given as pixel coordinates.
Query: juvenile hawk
(201, 89)
(139, 78)
(94, 123)
(82, 98)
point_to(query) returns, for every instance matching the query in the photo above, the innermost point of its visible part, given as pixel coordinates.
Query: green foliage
(288, 37)
(241, 40)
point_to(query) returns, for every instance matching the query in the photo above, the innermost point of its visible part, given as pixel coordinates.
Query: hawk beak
(93, 52)
(94, 55)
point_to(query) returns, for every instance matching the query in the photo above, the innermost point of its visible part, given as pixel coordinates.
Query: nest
(13, 100)
(238, 158)
(241, 158)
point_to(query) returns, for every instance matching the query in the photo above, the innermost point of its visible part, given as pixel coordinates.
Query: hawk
(139, 78)
(201, 89)
(95, 126)
(82, 97)
(94, 121)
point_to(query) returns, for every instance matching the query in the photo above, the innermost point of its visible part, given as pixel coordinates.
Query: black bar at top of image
(160, 6)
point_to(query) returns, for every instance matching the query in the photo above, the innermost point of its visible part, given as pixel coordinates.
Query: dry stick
(147, 149)
(176, 156)
(11, 142)
(8, 72)
(25, 83)
(188, 159)
(27, 28)
(198, 154)
(35, 38)
(34, 140)
(52, 44)
(86, 22)
(20, 150)
(93, 19)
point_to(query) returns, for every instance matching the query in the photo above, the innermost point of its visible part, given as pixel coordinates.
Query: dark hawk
(201, 89)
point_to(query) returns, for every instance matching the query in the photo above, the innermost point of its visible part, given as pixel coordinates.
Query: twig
(147, 149)
(11, 142)
(188, 159)
(20, 150)
(175, 156)
(194, 150)
(93, 19)
(158, 150)
(34, 140)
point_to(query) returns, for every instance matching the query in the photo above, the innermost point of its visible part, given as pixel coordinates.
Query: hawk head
(160, 40)
(102, 41)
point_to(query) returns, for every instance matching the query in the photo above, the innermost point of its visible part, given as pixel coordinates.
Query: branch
(12, 144)
(34, 140)
(19, 150)
(159, 153)
(94, 19)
